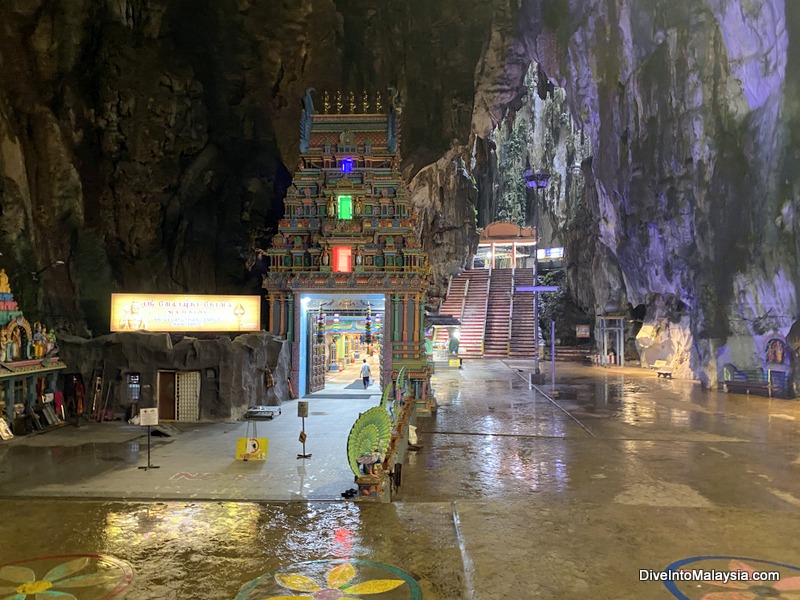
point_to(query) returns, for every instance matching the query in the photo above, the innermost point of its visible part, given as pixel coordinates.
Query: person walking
(365, 373)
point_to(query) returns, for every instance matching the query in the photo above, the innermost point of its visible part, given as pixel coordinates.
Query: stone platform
(515, 493)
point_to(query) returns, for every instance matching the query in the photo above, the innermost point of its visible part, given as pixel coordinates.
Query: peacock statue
(402, 382)
(387, 403)
(369, 439)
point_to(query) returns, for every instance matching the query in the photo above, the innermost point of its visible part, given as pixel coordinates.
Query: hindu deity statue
(52, 344)
(5, 344)
(16, 345)
(39, 340)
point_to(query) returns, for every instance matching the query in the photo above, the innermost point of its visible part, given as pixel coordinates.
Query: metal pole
(149, 464)
(536, 283)
(535, 180)
(304, 454)
(552, 355)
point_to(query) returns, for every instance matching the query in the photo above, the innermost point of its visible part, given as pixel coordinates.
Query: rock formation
(148, 144)
(690, 194)
(232, 372)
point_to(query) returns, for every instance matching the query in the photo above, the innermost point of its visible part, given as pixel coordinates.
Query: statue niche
(776, 352)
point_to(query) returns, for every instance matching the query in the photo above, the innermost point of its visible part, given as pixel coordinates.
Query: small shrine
(349, 231)
(29, 366)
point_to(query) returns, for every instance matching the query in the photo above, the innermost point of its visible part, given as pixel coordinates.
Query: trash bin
(537, 378)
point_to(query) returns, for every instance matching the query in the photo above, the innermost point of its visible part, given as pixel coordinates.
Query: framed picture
(5, 430)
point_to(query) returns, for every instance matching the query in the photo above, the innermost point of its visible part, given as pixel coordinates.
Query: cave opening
(639, 312)
(538, 135)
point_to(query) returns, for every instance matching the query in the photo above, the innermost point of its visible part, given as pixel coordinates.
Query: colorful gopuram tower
(349, 229)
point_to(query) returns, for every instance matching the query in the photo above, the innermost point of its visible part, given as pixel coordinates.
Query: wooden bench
(661, 369)
(761, 388)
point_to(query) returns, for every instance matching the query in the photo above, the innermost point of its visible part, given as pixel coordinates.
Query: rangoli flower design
(337, 585)
(714, 588)
(788, 587)
(18, 582)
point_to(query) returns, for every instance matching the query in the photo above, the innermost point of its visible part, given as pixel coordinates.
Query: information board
(167, 312)
(148, 416)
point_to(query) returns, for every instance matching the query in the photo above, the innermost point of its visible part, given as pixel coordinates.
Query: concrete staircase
(441, 337)
(473, 318)
(498, 314)
(523, 332)
(453, 305)
(495, 321)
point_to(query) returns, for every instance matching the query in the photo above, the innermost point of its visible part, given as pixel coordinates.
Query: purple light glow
(536, 180)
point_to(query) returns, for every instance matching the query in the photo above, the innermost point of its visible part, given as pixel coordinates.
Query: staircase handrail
(485, 313)
(464, 299)
(510, 313)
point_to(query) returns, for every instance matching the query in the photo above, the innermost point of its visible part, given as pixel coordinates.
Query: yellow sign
(455, 362)
(252, 449)
(167, 312)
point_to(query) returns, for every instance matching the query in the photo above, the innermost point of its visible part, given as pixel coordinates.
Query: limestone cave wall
(691, 196)
(148, 145)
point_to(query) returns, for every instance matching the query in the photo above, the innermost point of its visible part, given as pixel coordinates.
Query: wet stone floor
(578, 491)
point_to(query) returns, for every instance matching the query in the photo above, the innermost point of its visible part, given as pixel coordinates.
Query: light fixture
(368, 325)
(55, 263)
(536, 180)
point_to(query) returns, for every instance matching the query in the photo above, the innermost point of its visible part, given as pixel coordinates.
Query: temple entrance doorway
(178, 396)
(166, 395)
(338, 333)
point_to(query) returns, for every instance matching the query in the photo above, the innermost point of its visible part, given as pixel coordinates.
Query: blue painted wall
(303, 346)
(378, 301)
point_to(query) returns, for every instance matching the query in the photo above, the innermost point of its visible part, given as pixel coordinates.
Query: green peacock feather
(401, 378)
(387, 391)
(371, 432)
